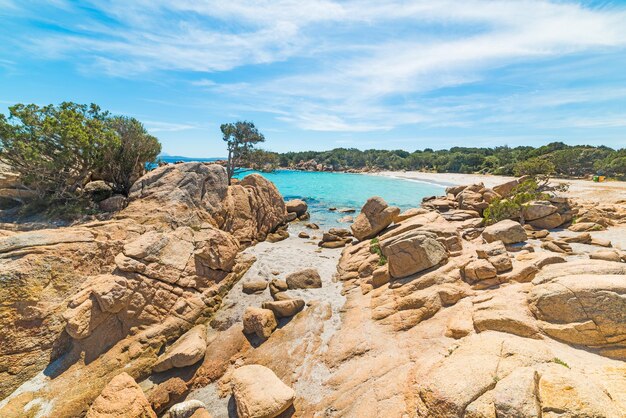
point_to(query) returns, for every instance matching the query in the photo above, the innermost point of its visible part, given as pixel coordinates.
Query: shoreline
(606, 192)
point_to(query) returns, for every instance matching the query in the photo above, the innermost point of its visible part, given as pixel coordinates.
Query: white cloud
(358, 64)
(158, 126)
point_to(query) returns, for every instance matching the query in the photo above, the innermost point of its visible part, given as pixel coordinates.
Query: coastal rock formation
(432, 316)
(297, 206)
(412, 252)
(375, 216)
(584, 309)
(90, 300)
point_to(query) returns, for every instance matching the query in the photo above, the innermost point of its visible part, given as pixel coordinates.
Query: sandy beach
(607, 192)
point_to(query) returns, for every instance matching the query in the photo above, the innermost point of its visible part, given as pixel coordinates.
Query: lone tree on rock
(240, 138)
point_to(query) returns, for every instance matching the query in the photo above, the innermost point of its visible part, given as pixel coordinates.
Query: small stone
(284, 308)
(256, 286)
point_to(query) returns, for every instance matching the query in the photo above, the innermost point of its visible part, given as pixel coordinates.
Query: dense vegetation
(555, 158)
(57, 150)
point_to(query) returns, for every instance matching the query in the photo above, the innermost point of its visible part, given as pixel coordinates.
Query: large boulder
(259, 321)
(187, 350)
(259, 393)
(121, 398)
(375, 216)
(412, 252)
(507, 231)
(584, 309)
(297, 206)
(551, 221)
(304, 279)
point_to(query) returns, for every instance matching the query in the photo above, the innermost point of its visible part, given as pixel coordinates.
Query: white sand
(607, 192)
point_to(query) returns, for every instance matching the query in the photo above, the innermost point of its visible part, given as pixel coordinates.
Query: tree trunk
(229, 166)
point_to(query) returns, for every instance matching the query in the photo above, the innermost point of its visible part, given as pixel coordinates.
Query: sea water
(323, 190)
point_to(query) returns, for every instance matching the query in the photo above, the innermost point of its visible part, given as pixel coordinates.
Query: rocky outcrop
(115, 293)
(284, 308)
(445, 325)
(375, 216)
(335, 238)
(259, 393)
(584, 309)
(121, 398)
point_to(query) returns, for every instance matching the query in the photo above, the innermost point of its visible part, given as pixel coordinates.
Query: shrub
(511, 207)
(375, 249)
(56, 150)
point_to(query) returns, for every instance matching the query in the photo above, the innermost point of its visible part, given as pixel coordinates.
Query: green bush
(375, 249)
(56, 150)
(511, 207)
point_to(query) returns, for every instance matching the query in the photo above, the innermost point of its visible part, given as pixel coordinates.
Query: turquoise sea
(322, 190)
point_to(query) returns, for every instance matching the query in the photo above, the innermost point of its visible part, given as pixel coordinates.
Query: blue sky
(320, 74)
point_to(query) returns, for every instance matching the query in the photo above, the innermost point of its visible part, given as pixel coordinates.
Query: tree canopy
(240, 138)
(58, 149)
(555, 158)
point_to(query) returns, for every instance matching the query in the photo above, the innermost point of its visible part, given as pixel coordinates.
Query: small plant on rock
(511, 206)
(375, 249)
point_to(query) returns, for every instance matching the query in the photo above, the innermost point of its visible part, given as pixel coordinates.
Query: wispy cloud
(352, 66)
(158, 126)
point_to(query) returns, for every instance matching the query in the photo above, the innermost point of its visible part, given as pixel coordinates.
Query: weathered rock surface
(375, 216)
(187, 350)
(538, 209)
(284, 308)
(544, 336)
(259, 321)
(507, 231)
(297, 206)
(256, 286)
(259, 393)
(189, 409)
(167, 393)
(94, 299)
(412, 252)
(584, 309)
(304, 279)
(121, 398)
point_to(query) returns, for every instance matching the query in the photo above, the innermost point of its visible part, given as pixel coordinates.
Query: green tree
(533, 167)
(55, 149)
(240, 138)
(127, 154)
